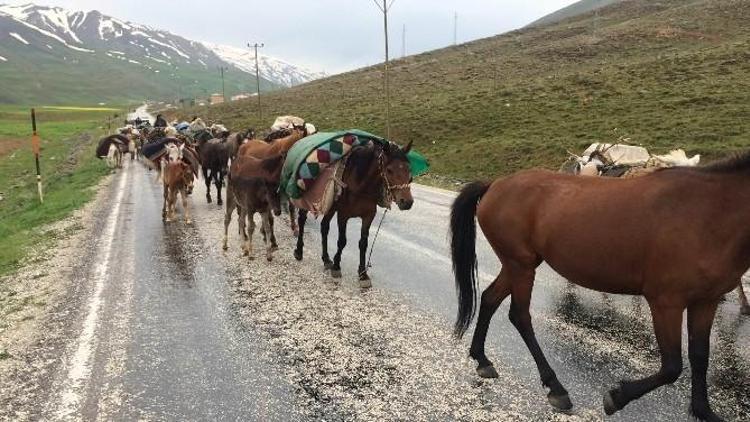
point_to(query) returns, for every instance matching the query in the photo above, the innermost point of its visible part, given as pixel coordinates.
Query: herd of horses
(678, 237)
(252, 169)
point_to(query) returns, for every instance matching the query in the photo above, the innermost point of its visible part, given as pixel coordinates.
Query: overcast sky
(328, 35)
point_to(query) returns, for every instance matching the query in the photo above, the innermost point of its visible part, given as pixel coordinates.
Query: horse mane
(360, 159)
(278, 134)
(737, 162)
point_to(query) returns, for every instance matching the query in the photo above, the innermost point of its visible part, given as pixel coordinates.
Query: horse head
(187, 176)
(396, 173)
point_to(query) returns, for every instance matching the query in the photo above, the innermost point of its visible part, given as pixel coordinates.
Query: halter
(389, 189)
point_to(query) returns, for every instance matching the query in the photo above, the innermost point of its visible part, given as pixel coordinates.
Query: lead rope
(375, 239)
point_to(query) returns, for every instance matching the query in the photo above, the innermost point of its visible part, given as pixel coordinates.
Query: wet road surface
(173, 328)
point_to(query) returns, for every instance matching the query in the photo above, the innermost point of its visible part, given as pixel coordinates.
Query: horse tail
(463, 251)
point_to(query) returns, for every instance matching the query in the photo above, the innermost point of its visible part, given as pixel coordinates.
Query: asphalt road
(170, 327)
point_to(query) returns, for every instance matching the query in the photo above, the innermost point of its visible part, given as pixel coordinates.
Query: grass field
(69, 171)
(664, 74)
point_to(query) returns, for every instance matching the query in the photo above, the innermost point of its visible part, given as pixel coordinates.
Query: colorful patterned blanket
(309, 157)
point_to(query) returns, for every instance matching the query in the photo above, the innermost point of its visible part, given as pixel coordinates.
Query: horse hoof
(745, 310)
(560, 402)
(327, 265)
(336, 273)
(274, 248)
(188, 221)
(298, 255)
(269, 258)
(487, 371)
(219, 203)
(225, 247)
(209, 200)
(609, 404)
(365, 283)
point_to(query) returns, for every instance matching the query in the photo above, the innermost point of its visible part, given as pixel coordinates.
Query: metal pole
(403, 42)
(257, 77)
(36, 147)
(387, 81)
(455, 28)
(223, 90)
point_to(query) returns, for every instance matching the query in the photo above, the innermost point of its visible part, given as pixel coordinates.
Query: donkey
(677, 236)
(372, 173)
(253, 187)
(178, 178)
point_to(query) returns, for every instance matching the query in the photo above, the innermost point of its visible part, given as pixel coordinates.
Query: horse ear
(407, 148)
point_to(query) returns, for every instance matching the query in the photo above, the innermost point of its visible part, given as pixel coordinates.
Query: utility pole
(385, 7)
(403, 42)
(256, 46)
(222, 69)
(455, 28)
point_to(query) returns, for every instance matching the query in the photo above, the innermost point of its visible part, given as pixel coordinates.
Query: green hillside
(574, 10)
(663, 73)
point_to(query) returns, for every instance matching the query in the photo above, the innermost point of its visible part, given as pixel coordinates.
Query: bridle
(389, 189)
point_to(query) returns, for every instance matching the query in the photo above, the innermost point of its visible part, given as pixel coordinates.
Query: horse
(253, 186)
(372, 173)
(178, 178)
(261, 149)
(214, 158)
(677, 236)
(114, 156)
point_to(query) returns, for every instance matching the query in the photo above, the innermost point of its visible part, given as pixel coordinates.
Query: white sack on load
(677, 158)
(286, 122)
(619, 154)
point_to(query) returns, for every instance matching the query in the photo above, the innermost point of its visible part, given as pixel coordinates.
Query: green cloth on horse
(312, 154)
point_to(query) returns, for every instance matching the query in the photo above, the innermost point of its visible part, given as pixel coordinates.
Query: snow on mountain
(270, 68)
(95, 33)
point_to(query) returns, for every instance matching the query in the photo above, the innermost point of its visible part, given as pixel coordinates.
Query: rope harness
(389, 197)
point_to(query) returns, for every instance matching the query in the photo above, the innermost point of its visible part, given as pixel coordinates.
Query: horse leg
(364, 279)
(207, 179)
(341, 244)
(228, 218)
(699, 322)
(744, 306)
(300, 235)
(668, 329)
(274, 244)
(185, 209)
(292, 218)
(325, 228)
(266, 220)
(219, 180)
(251, 229)
(492, 297)
(164, 205)
(522, 283)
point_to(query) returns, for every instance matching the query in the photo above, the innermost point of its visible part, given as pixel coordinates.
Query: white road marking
(79, 370)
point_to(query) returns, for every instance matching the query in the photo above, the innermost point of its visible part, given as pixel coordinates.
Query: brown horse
(679, 237)
(178, 178)
(259, 148)
(371, 173)
(253, 186)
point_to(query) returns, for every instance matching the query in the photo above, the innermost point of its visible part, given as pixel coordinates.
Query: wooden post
(36, 148)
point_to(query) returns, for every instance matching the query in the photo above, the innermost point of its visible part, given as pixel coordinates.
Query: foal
(253, 188)
(178, 178)
(679, 237)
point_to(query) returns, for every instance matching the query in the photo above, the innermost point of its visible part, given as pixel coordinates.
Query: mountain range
(55, 55)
